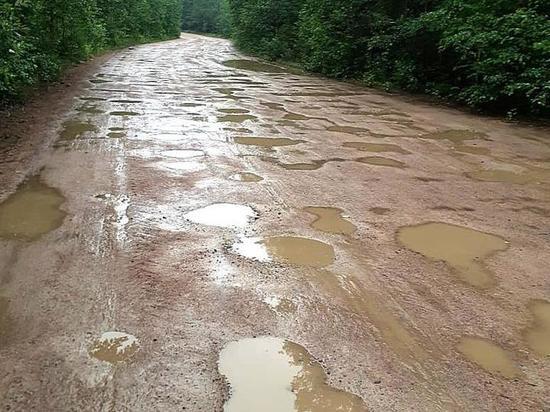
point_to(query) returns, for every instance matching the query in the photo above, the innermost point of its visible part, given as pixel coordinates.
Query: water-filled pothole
(114, 347)
(287, 249)
(275, 375)
(330, 219)
(32, 211)
(538, 336)
(488, 356)
(463, 249)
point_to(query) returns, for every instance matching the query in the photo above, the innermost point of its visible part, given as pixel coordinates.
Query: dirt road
(183, 229)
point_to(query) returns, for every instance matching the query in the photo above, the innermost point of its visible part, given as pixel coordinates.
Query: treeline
(206, 16)
(492, 55)
(37, 37)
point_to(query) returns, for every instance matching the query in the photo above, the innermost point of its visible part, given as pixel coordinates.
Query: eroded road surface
(183, 228)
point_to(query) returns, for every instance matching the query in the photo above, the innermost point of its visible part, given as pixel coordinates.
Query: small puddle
(183, 154)
(254, 66)
(246, 177)
(116, 135)
(90, 109)
(488, 356)
(381, 161)
(236, 118)
(275, 375)
(266, 141)
(330, 219)
(234, 111)
(455, 136)
(223, 215)
(287, 249)
(73, 129)
(461, 248)
(538, 336)
(32, 211)
(376, 147)
(123, 113)
(114, 347)
(126, 101)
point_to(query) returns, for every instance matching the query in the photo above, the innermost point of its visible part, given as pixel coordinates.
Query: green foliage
(206, 16)
(38, 36)
(492, 55)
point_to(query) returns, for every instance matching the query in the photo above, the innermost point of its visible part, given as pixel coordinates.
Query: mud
(165, 228)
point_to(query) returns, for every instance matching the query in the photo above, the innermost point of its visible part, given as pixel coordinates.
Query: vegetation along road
(184, 228)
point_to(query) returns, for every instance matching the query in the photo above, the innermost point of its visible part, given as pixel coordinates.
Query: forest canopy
(492, 55)
(37, 37)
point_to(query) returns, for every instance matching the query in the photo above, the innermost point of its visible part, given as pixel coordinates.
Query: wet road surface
(188, 229)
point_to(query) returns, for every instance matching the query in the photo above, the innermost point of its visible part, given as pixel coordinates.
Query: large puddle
(376, 147)
(275, 375)
(114, 347)
(223, 215)
(488, 356)
(266, 141)
(538, 336)
(254, 66)
(502, 176)
(461, 248)
(330, 219)
(287, 249)
(32, 211)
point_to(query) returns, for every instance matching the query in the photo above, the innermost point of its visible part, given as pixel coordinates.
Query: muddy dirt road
(185, 229)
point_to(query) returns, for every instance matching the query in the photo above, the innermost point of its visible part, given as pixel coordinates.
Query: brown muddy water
(463, 249)
(376, 147)
(489, 356)
(291, 250)
(266, 141)
(32, 211)
(275, 375)
(74, 129)
(114, 347)
(330, 220)
(538, 335)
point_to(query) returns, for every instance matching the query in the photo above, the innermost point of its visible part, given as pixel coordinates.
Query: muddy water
(348, 129)
(532, 175)
(74, 129)
(381, 161)
(376, 147)
(223, 215)
(183, 154)
(463, 249)
(266, 141)
(233, 111)
(114, 347)
(32, 211)
(330, 219)
(123, 113)
(292, 250)
(275, 375)
(236, 118)
(488, 356)
(538, 335)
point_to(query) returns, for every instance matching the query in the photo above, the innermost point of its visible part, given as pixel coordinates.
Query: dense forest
(39, 37)
(492, 55)
(206, 16)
